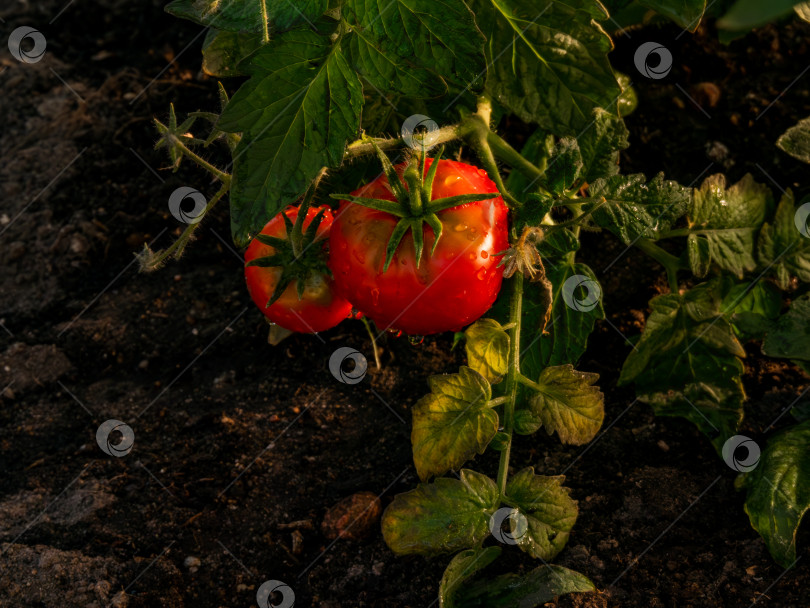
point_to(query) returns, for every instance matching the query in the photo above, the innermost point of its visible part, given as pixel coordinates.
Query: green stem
(506, 153)
(175, 250)
(515, 310)
(373, 342)
(265, 28)
(673, 233)
(218, 173)
(670, 263)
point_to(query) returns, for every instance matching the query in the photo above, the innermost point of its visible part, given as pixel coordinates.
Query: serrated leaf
(752, 308)
(686, 13)
(409, 46)
(247, 15)
(487, 347)
(548, 61)
(222, 51)
(784, 246)
(566, 336)
(296, 113)
(790, 338)
(779, 491)
(796, 140)
(729, 219)
(600, 145)
(635, 208)
(565, 165)
(441, 517)
(531, 590)
(452, 423)
(463, 566)
(748, 14)
(549, 510)
(566, 401)
(628, 100)
(688, 362)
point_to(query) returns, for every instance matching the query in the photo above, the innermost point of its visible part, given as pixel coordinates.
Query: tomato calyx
(414, 205)
(294, 254)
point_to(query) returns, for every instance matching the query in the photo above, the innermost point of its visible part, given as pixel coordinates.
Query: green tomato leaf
(790, 338)
(452, 423)
(296, 113)
(575, 308)
(796, 140)
(222, 52)
(441, 517)
(748, 14)
(729, 219)
(634, 209)
(565, 166)
(628, 100)
(549, 513)
(460, 569)
(548, 61)
(487, 349)
(779, 491)
(686, 13)
(688, 362)
(409, 46)
(752, 309)
(600, 145)
(248, 15)
(784, 246)
(536, 588)
(566, 401)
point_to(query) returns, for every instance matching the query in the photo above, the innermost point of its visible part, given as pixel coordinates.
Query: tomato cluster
(383, 274)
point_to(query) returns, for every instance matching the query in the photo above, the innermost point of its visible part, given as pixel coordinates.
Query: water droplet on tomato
(416, 340)
(473, 229)
(359, 256)
(471, 236)
(481, 274)
(394, 332)
(481, 172)
(375, 296)
(472, 256)
(460, 227)
(484, 255)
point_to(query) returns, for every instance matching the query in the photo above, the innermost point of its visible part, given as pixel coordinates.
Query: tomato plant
(428, 246)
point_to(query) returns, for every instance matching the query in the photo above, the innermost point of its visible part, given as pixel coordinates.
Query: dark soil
(240, 447)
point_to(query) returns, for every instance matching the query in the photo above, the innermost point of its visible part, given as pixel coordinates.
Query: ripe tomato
(319, 308)
(452, 287)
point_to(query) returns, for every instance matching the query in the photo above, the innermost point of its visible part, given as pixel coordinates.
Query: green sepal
(418, 239)
(434, 222)
(440, 204)
(394, 180)
(427, 185)
(267, 261)
(272, 241)
(396, 236)
(372, 203)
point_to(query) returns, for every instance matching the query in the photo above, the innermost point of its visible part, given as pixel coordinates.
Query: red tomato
(451, 288)
(320, 308)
